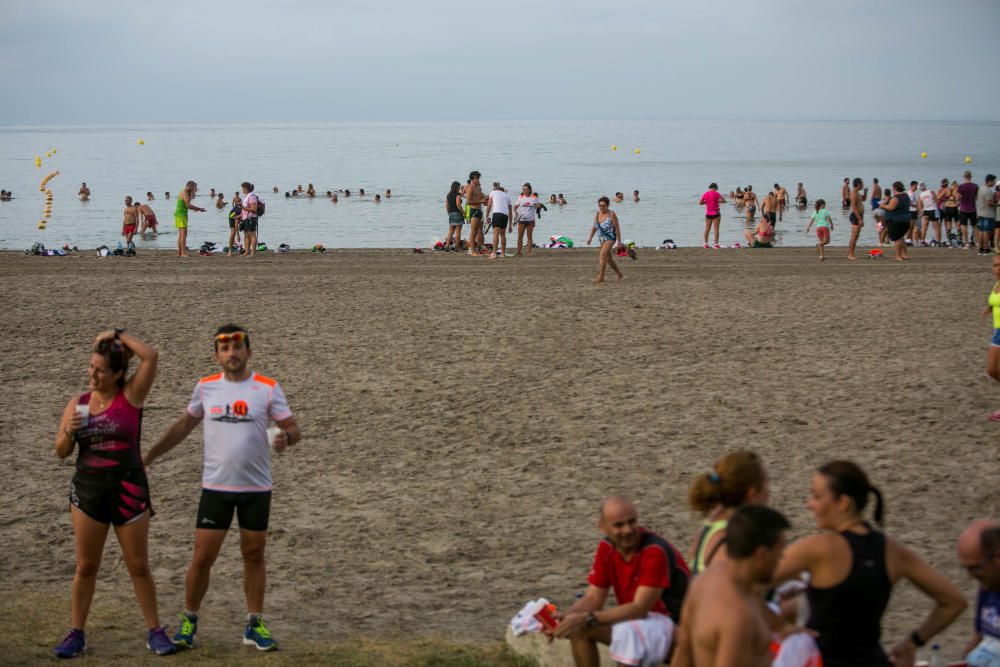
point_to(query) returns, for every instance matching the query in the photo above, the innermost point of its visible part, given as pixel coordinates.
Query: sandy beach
(463, 418)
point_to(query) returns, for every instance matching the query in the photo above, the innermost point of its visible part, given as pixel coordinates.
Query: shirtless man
(782, 195)
(147, 218)
(475, 198)
(800, 196)
(725, 619)
(769, 208)
(876, 193)
(845, 193)
(856, 202)
(130, 222)
(84, 193)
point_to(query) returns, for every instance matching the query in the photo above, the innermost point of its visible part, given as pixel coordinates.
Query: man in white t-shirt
(500, 213)
(239, 405)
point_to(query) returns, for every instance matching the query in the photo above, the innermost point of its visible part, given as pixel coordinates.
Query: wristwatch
(591, 619)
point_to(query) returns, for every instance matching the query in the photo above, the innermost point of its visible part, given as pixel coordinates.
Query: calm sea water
(418, 161)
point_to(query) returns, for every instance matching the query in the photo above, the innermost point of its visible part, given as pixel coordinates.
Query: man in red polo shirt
(649, 578)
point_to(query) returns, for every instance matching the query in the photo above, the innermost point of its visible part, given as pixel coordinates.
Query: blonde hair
(729, 482)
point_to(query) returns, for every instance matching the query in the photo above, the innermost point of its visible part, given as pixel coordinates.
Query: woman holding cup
(109, 487)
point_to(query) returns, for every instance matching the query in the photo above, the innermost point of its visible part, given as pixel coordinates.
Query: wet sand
(464, 417)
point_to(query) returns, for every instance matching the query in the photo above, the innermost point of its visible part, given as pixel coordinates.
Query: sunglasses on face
(235, 337)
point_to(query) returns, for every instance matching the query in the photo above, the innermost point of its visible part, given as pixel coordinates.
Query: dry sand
(464, 417)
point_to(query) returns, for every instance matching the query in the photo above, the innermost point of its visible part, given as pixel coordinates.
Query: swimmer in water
(84, 193)
(149, 196)
(635, 195)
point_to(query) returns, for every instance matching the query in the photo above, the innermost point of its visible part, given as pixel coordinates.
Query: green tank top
(995, 305)
(709, 529)
(182, 208)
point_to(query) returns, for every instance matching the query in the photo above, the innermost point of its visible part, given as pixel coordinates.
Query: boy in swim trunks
(475, 198)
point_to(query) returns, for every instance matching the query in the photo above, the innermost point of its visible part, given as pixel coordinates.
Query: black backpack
(260, 207)
(680, 576)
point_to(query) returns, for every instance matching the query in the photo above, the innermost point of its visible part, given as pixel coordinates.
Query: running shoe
(259, 636)
(73, 645)
(706, 246)
(159, 643)
(995, 417)
(717, 246)
(184, 637)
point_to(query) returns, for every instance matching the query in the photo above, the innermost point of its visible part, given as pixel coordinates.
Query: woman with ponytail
(736, 479)
(852, 569)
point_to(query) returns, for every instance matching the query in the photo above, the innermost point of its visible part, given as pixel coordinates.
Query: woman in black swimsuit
(853, 568)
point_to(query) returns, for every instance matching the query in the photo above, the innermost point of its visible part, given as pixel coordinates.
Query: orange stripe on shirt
(265, 380)
(211, 378)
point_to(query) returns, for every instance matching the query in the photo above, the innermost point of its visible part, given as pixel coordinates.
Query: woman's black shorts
(897, 229)
(111, 497)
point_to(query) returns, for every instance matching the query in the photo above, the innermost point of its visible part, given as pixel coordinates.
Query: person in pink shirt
(713, 215)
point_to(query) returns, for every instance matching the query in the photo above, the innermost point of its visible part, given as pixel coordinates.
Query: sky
(184, 61)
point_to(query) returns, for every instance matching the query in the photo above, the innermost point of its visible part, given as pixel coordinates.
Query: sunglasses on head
(235, 337)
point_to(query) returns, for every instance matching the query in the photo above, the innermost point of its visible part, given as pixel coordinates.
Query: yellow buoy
(41, 225)
(614, 147)
(53, 151)
(38, 161)
(141, 142)
(924, 155)
(636, 151)
(968, 160)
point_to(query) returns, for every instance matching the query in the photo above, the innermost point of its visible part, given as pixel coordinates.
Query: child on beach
(993, 305)
(824, 225)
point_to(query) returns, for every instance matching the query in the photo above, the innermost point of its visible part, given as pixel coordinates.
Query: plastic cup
(84, 412)
(272, 433)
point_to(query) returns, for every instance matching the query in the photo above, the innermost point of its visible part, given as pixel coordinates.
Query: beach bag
(260, 207)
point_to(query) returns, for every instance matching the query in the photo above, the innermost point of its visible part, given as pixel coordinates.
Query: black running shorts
(111, 497)
(215, 510)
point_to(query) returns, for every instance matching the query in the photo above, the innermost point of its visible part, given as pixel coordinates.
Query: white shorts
(644, 642)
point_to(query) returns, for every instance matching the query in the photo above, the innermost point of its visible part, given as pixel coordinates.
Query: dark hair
(116, 355)
(990, 177)
(753, 526)
(898, 186)
(715, 186)
(990, 542)
(288, 194)
(729, 481)
(820, 203)
(455, 186)
(474, 174)
(858, 182)
(228, 329)
(874, 180)
(246, 185)
(846, 478)
(913, 183)
(528, 185)
(605, 200)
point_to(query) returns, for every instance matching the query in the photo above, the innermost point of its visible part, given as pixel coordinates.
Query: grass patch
(32, 624)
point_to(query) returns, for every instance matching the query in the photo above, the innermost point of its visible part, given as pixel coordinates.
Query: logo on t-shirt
(238, 412)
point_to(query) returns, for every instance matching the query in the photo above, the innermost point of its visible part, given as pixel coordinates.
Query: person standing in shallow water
(609, 235)
(181, 215)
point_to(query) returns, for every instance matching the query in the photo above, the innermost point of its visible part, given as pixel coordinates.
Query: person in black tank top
(852, 569)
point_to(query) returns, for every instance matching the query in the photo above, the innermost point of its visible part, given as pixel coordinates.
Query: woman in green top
(824, 225)
(181, 216)
(736, 479)
(993, 305)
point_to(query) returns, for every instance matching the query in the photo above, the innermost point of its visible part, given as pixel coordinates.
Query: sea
(670, 163)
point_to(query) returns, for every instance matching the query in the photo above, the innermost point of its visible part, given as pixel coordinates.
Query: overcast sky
(110, 61)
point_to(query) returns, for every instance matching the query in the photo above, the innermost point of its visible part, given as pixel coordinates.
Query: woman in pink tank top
(109, 487)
